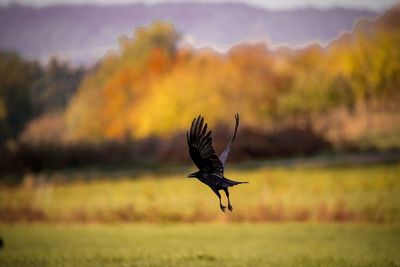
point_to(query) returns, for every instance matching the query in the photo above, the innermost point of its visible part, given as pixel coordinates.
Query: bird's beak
(192, 175)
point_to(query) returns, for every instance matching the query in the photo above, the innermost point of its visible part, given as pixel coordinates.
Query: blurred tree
(28, 90)
(154, 87)
(103, 107)
(17, 79)
(59, 83)
(376, 65)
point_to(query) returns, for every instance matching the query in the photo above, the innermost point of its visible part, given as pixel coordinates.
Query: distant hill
(82, 34)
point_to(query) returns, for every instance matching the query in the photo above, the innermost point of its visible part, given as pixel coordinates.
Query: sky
(378, 5)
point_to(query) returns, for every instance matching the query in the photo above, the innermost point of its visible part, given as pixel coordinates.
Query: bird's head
(194, 175)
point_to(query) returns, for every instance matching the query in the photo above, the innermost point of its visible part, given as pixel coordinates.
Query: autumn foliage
(135, 105)
(154, 85)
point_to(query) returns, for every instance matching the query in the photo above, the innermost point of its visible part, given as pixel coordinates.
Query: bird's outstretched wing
(201, 150)
(224, 154)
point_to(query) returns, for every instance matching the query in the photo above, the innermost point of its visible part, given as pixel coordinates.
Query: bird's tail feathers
(232, 183)
(242, 182)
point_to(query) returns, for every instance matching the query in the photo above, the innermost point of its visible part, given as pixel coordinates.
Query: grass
(69, 207)
(288, 244)
(367, 193)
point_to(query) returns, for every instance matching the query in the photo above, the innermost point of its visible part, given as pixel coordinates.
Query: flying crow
(211, 167)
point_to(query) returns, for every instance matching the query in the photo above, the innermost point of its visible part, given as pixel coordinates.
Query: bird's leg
(229, 201)
(223, 208)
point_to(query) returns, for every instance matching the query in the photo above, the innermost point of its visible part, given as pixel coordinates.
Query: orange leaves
(155, 88)
(158, 61)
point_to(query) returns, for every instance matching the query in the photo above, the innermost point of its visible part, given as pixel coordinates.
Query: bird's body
(211, 167)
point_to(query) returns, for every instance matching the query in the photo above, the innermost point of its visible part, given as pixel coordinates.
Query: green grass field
(318, 216)
(287, 244)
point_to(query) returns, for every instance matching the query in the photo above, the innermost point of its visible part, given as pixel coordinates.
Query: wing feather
(201, 150)
(225, 153)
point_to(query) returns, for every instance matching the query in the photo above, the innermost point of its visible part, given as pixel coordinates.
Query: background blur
(96, 97)
(115, 87)
(304, 81)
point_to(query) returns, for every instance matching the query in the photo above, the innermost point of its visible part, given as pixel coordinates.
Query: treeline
(29, 90)
(138, 101)
(154, 86)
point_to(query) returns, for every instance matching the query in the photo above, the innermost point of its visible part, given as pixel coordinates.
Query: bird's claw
(223, 208)
(230, 207)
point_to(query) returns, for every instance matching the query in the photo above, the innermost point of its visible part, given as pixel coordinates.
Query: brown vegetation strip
(128, 214)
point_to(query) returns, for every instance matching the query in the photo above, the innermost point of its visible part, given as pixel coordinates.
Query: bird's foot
(223, 208)
(230, 207)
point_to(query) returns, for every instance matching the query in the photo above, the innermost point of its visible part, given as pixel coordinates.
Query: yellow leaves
(116, 93)
(154, 88)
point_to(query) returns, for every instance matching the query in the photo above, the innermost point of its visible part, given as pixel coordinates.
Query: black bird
(211, 167)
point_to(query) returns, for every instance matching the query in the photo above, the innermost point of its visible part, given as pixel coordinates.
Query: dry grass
(363, 193)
